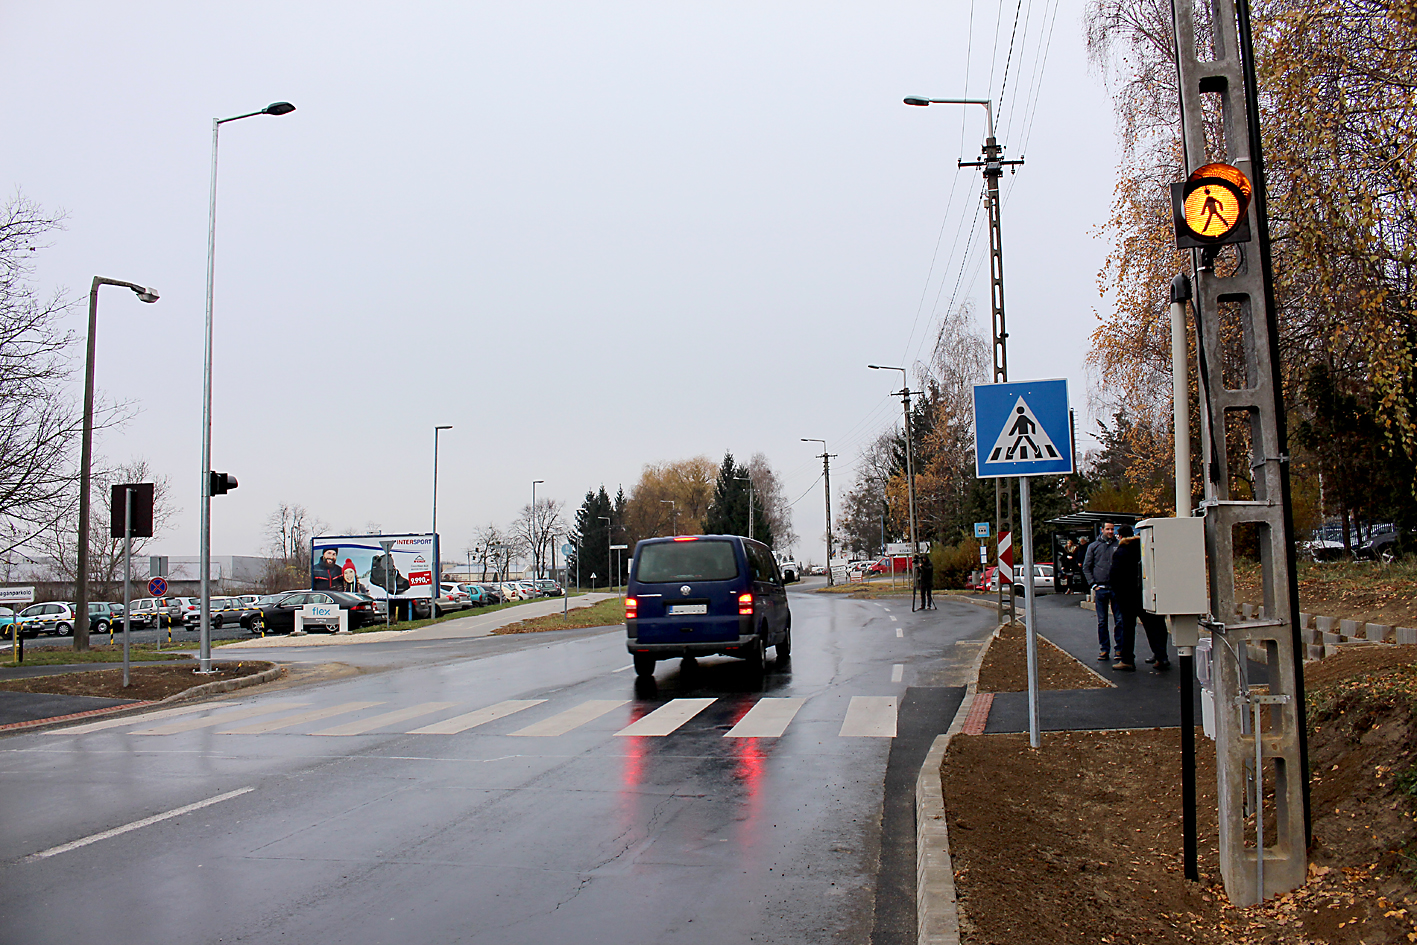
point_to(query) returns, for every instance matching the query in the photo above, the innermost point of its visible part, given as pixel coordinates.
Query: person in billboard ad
(325, 572)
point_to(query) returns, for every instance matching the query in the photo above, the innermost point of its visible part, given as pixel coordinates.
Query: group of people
(1112, 566)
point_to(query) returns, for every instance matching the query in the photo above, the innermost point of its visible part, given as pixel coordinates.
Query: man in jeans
(1097, 568)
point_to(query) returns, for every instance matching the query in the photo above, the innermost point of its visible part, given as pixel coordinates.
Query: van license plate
(676, 609)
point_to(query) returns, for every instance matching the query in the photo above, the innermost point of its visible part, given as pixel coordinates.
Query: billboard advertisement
(358, 563)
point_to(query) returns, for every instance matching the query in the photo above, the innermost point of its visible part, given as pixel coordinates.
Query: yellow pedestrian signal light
(1210, 207)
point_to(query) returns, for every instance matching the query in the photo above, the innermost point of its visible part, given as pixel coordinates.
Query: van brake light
(745, 605)
(632, 607)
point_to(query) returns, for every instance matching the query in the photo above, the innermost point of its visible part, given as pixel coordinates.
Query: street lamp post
(437, 565)
(827, 475)
(81, 591)
(749, 480)
(905, 393)
(675, 510)
(205, 650)
(531, 529)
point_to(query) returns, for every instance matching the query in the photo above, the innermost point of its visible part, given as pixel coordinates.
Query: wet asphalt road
(525, 813)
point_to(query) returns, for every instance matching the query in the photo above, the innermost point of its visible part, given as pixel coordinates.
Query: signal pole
(826, 459)
(993, 164)
(904, 394)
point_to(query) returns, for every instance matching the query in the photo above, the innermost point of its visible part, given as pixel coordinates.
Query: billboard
(358, 563)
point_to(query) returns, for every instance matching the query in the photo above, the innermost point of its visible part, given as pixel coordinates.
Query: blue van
(695, 595)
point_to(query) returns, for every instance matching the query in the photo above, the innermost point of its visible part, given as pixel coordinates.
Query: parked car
(511, 591)
(1042, 578)
(276, 614)
(476, 596)
(53, 617)
(148, 611)
(101, 616)
(708, 594)
(7, 623)
(788, 567)
(549, 588)
(453, 598)
(494, 593)
(529, 590)
(183, 610)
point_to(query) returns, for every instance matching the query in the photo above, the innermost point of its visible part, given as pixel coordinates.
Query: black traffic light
(221, 483)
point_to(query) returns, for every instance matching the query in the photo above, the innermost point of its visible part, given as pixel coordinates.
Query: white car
(453, 598)
(1042, 578)
(791, 571)
(511, 591)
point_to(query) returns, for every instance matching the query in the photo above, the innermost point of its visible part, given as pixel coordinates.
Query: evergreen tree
(592, 537)
(728, 511)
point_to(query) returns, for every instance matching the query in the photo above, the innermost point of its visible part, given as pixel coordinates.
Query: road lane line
(899, 633)
(155, 818)
(667, 718)
(246, 712)
(299, 718)
(563, 722)
(894, 618)
(491, 713)
(769, 718)
(897, 672)
(870, 717)
(387, 718)
(130, 720)
(622, 669)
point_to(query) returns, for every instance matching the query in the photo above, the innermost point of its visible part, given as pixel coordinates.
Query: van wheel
(754, 656)
(784, 646)
(644, 664)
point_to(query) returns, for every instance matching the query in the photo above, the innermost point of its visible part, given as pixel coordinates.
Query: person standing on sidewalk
(1126, 596)
(926, 570)
(1097, 569)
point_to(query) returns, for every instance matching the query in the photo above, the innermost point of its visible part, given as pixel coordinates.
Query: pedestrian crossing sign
(1022, 428)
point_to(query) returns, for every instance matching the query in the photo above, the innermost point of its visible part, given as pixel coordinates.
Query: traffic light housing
(221, 483)
(1210, 208)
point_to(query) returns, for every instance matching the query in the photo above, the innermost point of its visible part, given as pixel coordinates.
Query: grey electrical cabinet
(1173, 566)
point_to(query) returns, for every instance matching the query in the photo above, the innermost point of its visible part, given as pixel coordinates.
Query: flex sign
(1022, 428)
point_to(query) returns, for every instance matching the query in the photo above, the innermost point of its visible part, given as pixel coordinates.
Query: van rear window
(686, 561)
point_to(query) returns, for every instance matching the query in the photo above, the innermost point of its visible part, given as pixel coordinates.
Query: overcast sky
(588, 236)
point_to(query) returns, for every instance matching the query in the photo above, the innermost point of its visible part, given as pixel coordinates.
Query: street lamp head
(443, 428)
(278, 108)
(147, 295)
(537, 482)
(912, 100)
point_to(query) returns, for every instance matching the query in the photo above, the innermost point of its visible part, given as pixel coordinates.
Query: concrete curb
(226, 685)
(936, 909)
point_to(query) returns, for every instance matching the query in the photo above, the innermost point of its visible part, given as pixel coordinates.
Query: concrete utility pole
(826, 459)
(1259, 737)
(993, 165)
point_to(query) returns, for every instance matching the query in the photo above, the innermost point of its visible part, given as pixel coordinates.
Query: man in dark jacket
(1097, 569)
(926, 571)
(1126, 595)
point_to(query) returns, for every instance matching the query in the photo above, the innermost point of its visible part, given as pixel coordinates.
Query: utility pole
(826, 459)
(1253, 864)
(993, 164)
(749, 480)
(904, 394)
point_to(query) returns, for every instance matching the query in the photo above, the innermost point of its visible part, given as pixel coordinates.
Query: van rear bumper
(704, 648)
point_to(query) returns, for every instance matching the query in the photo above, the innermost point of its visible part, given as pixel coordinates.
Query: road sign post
(17, 595)
(1023, 429)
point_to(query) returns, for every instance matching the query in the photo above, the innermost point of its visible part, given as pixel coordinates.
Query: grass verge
(104, 653)
(606, 613)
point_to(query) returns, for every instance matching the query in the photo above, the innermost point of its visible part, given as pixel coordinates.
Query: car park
(53, 617)
(698, 595)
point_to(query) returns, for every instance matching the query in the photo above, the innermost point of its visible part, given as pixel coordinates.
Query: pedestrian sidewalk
(1140, 699)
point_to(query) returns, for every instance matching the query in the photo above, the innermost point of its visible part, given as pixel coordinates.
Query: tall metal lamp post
(437, 565)
(749, 481)
(531, 528)
(81, 592)
(205, 653)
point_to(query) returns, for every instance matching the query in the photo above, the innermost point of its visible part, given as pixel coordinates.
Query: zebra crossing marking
(491, 713)
(668, 717)
(130, 720)
(898, 672)
(361, 726)
(870, 717)
(768, 718)
(188, 725)
(299, 718)
(563, 722)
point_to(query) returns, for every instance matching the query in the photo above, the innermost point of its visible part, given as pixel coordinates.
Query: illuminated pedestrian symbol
(1022, 440)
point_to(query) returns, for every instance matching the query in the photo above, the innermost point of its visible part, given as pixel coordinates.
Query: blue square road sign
(1022, 428)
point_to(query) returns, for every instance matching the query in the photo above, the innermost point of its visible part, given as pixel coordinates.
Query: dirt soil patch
(1080, 841)
(606, 613)
(1005, 666)
(1369, 591)
(146, 682)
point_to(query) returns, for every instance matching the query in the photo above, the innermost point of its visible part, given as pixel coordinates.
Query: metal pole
(127, 578)
(81, 591)
(910, 491)
(1185, 655)
(1030, 629)
(827, 475)
(205, 618)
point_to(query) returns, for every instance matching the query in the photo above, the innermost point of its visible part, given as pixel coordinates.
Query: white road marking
(885, 608)
(769, 718)
(870, 717)
(622, 669)
(564, 722)
(386, 719)
(894, 618)
(667, 718)
(899, 633)
(299, 718)
(127, 720)
(155, 818)
(897, 672)
(245, 712)
(491, 713)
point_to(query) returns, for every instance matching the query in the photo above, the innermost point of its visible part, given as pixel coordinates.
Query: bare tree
(535, 529)
(288, 532)
(486, 547)
(769, 496)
